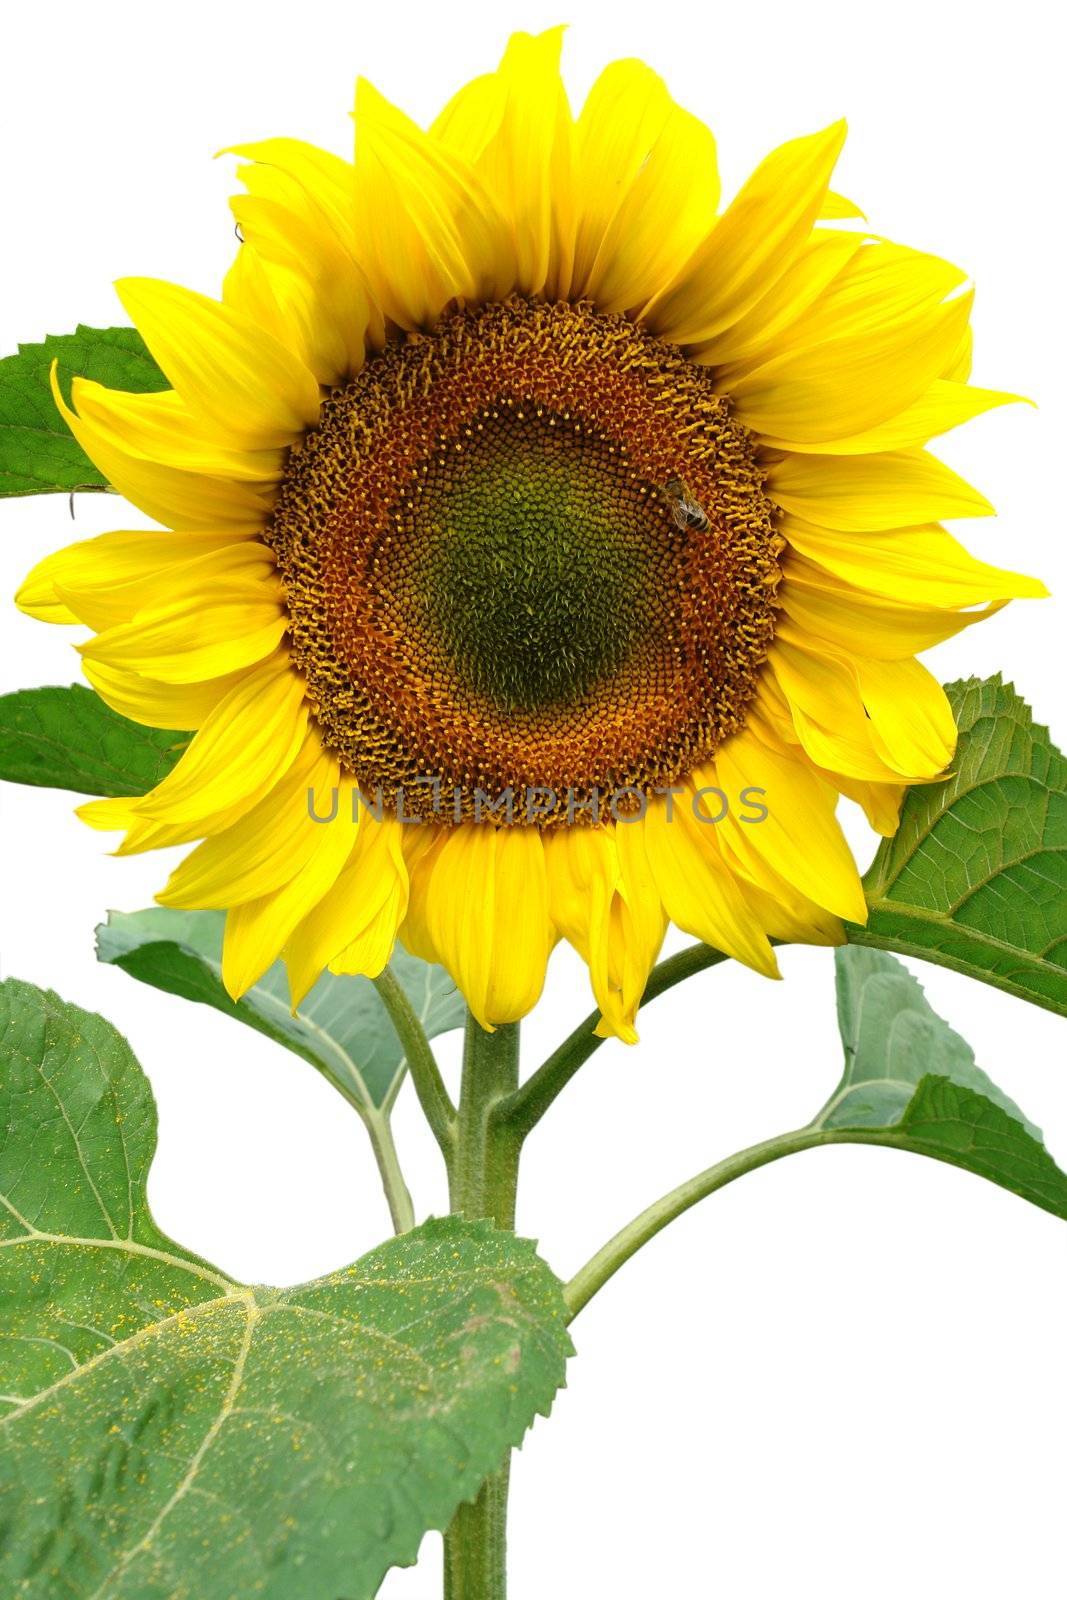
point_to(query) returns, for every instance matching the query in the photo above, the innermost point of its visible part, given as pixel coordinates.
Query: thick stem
(483, 1175)
(434, 1099)
(485, 1155)
(475, 1545)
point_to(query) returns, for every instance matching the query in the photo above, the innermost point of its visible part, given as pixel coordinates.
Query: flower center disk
(526, 555)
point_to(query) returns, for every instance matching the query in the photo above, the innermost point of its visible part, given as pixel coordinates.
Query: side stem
(483, 1176)
(607, 1261)
(434, 1098)
(397, 1193)
(525, 1108)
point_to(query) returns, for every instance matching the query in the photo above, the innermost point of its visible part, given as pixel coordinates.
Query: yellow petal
(647, 187)
(959, 368)
(142, 835)
(780, 909)
(487, 910)
(920, 565)
(170, 495)
(876, 720)
(514, 129)
(110, 815)
(635, 933)
(880, 282)
(421, 846)
(109, 562)
(836, 208)
(224, 367)
(942, 406)
(249, 740)
(254, 288)
(583, 871)
(368, 953)
(858, 494)
(583, 875)
(156, 704)
(192, 639)
(818, 606)
(161, 427)
(770, 714)
(258, 931)
(881, 802)
(304, 236)
(792, 829)
(848, 384)
(37, 597)
(627, 938)
(828, 714)
(428, 230)
(358, 914)
(304, 233)
(757, 334)
(698, 890)
(326, 182)
(294, 278)
(269, 845)
(109, 584)
(752, 244)
(911, 719)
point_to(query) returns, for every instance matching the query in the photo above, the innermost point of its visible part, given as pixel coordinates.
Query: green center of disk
(539, 557)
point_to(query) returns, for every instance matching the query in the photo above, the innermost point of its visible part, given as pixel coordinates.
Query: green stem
(483, 1176)
(434, 1098)
(379, 1130)
(607, 1261)
(484, 1168)
(475, 1544)
(397, 1192)
(524, 1109)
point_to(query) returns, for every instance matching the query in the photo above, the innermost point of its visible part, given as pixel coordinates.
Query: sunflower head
(545, 546)
(488, 579)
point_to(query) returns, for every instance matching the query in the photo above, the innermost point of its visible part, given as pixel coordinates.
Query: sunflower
(565, 537)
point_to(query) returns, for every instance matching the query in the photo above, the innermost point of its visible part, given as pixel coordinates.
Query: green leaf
(912, 1083)
(169, 1434)
(341, 1027)
(38, 452)
(976, 876)
(69, 739)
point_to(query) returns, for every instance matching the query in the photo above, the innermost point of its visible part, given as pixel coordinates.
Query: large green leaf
(67, 738)
(38, 452)
(912, 1083)
(168, 1434)
(976, 876)
(341, 1026)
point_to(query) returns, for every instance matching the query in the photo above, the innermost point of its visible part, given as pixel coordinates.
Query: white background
(845, 1375)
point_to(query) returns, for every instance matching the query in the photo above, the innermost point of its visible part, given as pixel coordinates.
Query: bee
(686, 512)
